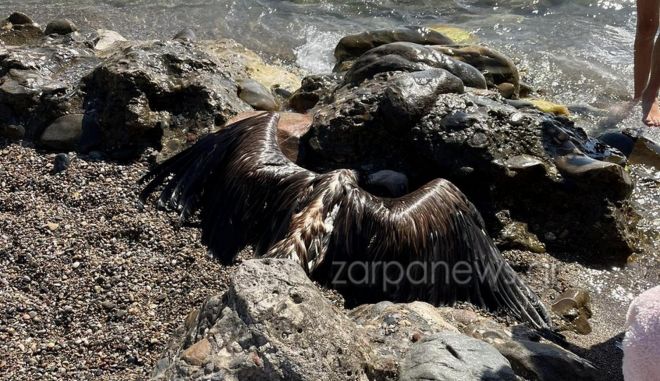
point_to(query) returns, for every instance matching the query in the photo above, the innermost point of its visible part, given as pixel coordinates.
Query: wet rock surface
(410, 57)
(40, 83)
(353, 46)
(524, 162)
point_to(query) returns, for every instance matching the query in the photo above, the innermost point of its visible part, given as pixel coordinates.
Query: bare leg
(647, 27)
(650, 109)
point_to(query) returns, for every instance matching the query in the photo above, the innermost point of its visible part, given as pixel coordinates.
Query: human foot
(650, 111)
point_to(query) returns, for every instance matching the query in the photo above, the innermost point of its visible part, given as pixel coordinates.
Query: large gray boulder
(450, 356)
(272, 324)
(393, 328)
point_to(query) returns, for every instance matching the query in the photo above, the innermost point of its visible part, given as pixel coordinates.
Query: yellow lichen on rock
(549, 107)
(458, 35)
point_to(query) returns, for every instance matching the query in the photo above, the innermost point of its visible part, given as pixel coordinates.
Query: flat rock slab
(452, 356)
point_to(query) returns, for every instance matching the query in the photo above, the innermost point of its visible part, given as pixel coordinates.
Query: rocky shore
(96, 285)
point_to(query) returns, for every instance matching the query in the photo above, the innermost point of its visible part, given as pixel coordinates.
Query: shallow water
(576, 50)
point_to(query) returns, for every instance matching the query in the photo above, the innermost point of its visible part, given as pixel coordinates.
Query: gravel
(92, 284)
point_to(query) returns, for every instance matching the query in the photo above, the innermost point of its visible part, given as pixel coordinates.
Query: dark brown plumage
(248, 192)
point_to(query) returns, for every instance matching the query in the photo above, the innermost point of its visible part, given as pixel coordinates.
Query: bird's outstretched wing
(235, 178)
(429, 245)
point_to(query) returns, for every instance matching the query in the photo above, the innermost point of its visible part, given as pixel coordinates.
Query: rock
(406, 56)
(64, 133)
(39, 84)
(62, 162)
(619, 140)
(21, 34)
(544, 362)
(314, 89)
(589, 170)
(409, 96)
(454, 33)
(353, 46)
(498, 69)
(186, 34)
(105, 39)
(573, 306)
(453, 356)
(18, 18)
(61, 26)
(530, 163)
(197, 353)
(12, 132)
(507, 90)
(272, 324)
(640, 148)
(393, 328)
(257, 96)
(232, 53)
(515, 235)
(159, 94)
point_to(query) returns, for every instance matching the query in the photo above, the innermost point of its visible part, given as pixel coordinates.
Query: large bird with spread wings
(427, 245)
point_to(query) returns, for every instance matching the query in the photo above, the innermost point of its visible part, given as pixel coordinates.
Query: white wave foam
(316, 54)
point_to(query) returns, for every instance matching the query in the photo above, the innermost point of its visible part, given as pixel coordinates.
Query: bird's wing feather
(248, 192)
(436, 237)
(235, 178)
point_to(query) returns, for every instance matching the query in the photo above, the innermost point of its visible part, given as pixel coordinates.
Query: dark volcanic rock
(495, 66)
(409, 96)
(531, 164)
(64, 133)
(38, 84)
(353, 46)
(18, 18)
(452, 356)
(406, 56)
(272, 324)
(160, 93)
(314, 89)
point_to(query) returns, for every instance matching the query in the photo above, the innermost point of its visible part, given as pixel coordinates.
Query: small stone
(64, 133)
(62, 162)
(52, 226)
(186, 34)
(12, 132)
(75, 265)
(108, 305)
(197, 353)
(257, 96)
(18, 18)
(105, 39)
(61, 26)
